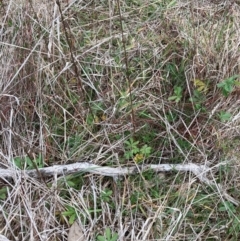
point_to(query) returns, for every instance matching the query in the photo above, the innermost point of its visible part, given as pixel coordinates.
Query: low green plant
(146, 150)
(28, 163)
(106, 195)
(234, 227)
(177, 94)
(132, 151)
(131, 148)
(227, 85)
(108, 236)
(69, 183)
(224, 116)
(171, 116)
(175, 70)
(3, 193)
(123, 101)
(145, 114)
(70, 213)
(228, 207)
(73, 143)
(184, 144)
(197, 99)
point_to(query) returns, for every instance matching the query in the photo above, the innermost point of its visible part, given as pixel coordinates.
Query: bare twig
(199, 171)
(127, 66)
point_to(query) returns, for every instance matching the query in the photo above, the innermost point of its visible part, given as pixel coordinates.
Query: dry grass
(79, 78)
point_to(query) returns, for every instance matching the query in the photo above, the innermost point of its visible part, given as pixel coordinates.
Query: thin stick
(199, 171)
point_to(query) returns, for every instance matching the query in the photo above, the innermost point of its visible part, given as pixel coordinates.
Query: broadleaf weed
(132, 151)
(108, 236)
(227, 85)
(177, 94)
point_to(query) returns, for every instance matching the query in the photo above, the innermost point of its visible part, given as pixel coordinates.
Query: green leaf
(94, 210)
(29, 162)
(172, 97)
(108, 233)
(3, 193)
(228, 85)
(101, 238)
(67, 213)
(178, 90)
(135, 150)
(109, 192)
(18, 162)
(146, 150)
(227, 206)
(225, 116)
(70, 183)
(177, 94)
(114, 237)
(128, 155)
(131, 148)
(72, 218)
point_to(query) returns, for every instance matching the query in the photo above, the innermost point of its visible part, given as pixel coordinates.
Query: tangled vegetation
(120, 83)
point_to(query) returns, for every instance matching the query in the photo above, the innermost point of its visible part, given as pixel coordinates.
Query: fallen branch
(199, 171)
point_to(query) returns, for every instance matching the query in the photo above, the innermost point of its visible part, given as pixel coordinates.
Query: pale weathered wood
(200, 171)
(3, 238)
